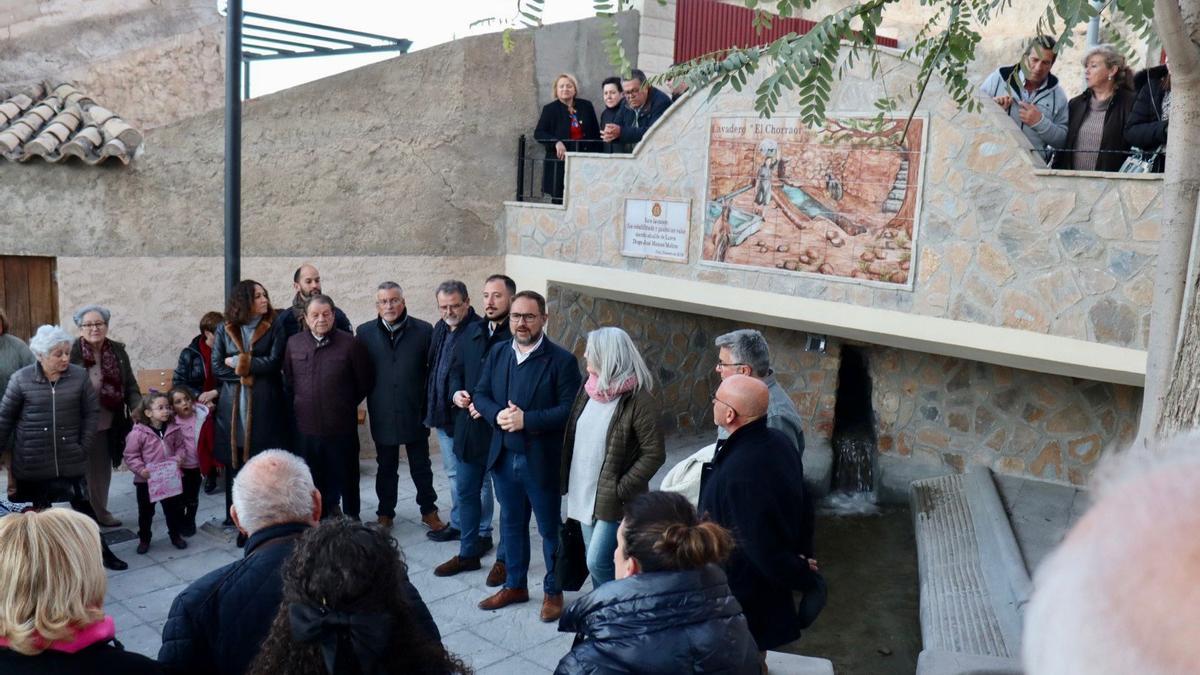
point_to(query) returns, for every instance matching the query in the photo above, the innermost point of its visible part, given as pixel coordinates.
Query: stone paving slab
(1041, 513)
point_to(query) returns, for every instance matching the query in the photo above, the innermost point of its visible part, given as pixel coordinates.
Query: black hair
(636, 74)
(239, 310)
(508, 282)
(614, 80)
(663, 532)
(535, 296)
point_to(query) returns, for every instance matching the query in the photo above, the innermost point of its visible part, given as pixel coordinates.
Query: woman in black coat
(1146, 128)
(567, 124)
(670, 609)
(1097, 117)
(247, 359)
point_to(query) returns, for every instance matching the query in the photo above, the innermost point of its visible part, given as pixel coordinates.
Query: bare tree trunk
(1172, 395)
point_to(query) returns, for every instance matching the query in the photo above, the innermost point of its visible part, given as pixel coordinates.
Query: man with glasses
(647, 103)
(398, 345)
(754, 486)
(525, 391)
(745, 352)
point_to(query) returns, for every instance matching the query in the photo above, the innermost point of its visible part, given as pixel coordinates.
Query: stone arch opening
(854, 441)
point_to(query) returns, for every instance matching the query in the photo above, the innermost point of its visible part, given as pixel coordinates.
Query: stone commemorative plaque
(657, 228)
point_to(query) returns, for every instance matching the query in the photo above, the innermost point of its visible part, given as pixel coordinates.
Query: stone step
(781, 663)
(974, 583)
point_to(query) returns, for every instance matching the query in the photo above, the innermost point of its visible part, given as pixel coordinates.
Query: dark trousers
(192, 478)
(172, 510)
(333, 461)
(514, 484)
(388, 475)
(469, 480)
(43, 493)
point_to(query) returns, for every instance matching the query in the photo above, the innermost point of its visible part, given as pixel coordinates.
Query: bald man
(1121, 594)
(755, 487)
(306, 281)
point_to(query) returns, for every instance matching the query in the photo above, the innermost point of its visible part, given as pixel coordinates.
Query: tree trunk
(1172, 395)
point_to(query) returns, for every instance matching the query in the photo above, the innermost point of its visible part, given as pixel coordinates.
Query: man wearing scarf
(307, 282)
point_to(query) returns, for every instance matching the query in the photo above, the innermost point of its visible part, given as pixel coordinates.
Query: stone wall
(1000, 242)
(577, 47)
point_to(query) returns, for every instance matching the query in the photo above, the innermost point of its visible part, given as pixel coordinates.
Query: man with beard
(473, 435)
(526, 391)
(307, 283)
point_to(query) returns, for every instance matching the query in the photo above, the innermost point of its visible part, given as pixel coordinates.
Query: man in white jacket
(1031, 96)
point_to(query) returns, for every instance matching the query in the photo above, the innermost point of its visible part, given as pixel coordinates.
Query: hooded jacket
(1051, 130)
(1145, 128)
(54, 422)
(144, 447)
(660, 622)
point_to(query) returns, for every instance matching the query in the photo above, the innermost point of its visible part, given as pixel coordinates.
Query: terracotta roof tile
(58, 122)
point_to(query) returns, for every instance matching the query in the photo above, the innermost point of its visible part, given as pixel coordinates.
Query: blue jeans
(514, 485)
(450, 464)
(475, 505)
(600, 542)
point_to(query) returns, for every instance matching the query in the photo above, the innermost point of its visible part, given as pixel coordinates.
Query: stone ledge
(932, 662)
(1097, 174)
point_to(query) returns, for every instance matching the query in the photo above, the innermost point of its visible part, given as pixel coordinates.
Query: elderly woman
(612, 446)
(567, 124)
(1097, 117)
(49, 410)
(195, 372)
(111, 375)
(247, 358)
(51, 602)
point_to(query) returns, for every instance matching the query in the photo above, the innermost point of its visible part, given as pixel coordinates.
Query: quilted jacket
(53, 422)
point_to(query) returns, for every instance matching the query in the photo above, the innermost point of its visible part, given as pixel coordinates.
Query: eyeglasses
(717, 400)
(721, 365)
(523, 318)
(91, 325)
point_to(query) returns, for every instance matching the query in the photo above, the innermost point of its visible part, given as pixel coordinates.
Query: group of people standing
(1117, 115)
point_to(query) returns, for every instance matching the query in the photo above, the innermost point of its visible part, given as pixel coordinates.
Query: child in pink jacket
(189, 417)
(153, 440)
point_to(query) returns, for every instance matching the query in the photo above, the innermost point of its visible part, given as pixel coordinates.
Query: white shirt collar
(521, 356)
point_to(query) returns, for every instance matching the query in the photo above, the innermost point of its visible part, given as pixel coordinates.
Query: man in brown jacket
(330, 374)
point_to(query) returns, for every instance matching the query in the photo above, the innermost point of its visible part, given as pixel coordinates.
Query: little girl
(190, 417)
(152, 440)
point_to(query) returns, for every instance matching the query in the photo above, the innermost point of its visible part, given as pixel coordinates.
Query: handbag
(1140, 161)
(570, 558)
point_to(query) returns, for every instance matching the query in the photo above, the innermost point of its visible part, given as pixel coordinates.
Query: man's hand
(461, 398)
(560, 150)
(208, 397)
(475, 414)
(1030, 113)
(1004, 101)
(610, 133)
(511, 418)
(812, 564)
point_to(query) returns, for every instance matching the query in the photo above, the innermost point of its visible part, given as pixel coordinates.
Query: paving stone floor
(510, 640)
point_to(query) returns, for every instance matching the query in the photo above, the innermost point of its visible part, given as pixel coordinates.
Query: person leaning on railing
(1146, 128)
(1096, 121)
(567, 124)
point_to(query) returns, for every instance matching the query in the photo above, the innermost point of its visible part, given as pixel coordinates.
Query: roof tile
(56, 122)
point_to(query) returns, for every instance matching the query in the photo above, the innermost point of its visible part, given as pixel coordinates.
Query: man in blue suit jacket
(525, 391)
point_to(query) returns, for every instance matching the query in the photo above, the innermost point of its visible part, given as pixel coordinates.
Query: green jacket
(14, 355)
(634, 452)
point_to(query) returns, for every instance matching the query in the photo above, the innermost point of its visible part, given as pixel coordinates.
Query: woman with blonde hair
(52, 590)
(1096, 118)
(567, 124)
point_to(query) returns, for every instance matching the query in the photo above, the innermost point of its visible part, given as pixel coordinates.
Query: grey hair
(611, 352)
(273, 488)
(391, 285)
(450, 287)
(1113, 58)
(86, 309)
(47, 338)
(748, 346)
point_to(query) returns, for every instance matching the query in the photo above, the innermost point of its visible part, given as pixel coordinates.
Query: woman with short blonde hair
(52, 590)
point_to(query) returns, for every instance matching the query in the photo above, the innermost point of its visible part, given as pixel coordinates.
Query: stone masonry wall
(999, 242)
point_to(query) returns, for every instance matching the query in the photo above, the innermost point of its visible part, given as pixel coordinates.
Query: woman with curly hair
(349, 608)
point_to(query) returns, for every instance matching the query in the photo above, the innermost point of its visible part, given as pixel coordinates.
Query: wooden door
(28, 293)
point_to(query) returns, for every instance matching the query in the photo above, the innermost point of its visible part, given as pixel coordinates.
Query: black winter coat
(396, 404)
(260, 369)
(755, 487)
(1146, 129)
(622, 116)
(440, 414)
(1113, 137)
(53, 423)
(473, 438)
(660, 622)
(219, 622)
(554, 125)
(107, 658)
(189, 372)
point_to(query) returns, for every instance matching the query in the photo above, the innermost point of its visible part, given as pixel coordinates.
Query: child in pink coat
(154, 439)
(189, 417)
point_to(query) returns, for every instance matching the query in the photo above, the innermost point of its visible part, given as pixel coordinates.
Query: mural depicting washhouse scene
(839, 201)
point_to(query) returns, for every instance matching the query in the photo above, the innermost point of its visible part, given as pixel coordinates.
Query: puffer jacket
(189, 372)
(660, 622)
(634, 450)
(144, 447)
(54, 422)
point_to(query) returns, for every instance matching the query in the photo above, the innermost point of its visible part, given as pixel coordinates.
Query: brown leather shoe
(385, 522)
(455, 565)
(552, 606)
(432, 521)
(505, 597)
(497, 575)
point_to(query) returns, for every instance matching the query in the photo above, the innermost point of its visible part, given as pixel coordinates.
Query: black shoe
(228, 522)
(188, 529)
(241, 540)
(178, 542)
(143, 546)
(448, 533)
(210, 483)
(112, 562)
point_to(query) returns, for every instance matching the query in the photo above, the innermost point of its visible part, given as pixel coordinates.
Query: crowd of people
(1118, 119)
(270, 399)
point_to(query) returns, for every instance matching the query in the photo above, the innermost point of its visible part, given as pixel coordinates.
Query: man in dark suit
(398, 345)
(525, 391)
(473, 435)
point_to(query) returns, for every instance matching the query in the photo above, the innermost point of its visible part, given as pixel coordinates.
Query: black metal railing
(1135, 160)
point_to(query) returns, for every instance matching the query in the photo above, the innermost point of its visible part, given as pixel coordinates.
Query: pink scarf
(611, 394)
(101, 631)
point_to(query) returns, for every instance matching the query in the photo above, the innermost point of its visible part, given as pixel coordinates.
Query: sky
(425, 22)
